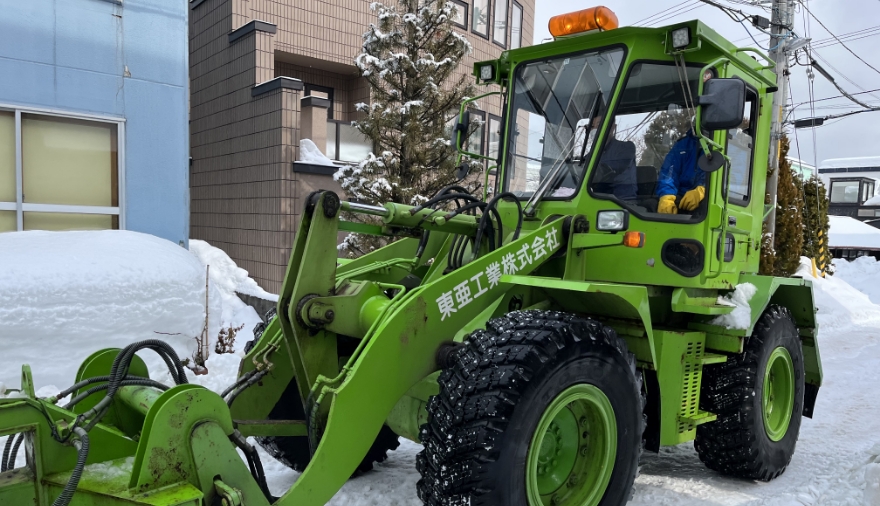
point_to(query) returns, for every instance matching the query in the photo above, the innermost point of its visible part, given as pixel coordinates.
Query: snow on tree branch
(409, 58)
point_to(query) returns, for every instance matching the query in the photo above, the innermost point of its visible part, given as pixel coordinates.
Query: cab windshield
(555, 103)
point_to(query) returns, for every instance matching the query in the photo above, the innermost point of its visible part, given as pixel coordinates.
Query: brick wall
(246, 198)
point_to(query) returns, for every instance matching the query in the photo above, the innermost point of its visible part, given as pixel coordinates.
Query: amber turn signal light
(634, 239)
(594, 18)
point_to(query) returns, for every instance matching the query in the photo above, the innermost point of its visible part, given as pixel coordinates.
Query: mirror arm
(461, 113)
(698, 117)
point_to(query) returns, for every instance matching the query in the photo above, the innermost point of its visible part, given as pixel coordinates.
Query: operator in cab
(616, 172)
(681, 185)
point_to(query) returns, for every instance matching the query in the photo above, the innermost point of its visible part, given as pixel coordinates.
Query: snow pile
(227, 278)
(66, 295)
(846, 232)
(862, 274)
(309, 153)
(741, 316)
(840, 304)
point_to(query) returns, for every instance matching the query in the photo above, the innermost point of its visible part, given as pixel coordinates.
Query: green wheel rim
(778, 393)
(573, 449)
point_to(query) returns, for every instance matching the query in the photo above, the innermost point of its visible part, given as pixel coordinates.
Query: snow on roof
(800, 162)
(849, 232)
(847, 163)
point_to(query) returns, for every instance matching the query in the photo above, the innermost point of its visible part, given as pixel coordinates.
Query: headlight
(612, 221)
(681, 38)
(487, 72)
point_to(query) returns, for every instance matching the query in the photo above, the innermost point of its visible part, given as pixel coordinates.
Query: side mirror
(722, 102)
(460, 130)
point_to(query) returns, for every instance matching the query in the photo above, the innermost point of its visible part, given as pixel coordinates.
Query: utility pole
(779, 29)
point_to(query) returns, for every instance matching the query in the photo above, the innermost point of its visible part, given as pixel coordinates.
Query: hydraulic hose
(6, 449)
(10, 452)
(244, 386)
(119, 371)
(146, 382)
(254, 463)
(81, 443)
(89, 381)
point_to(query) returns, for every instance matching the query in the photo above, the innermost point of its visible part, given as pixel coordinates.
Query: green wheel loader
(535, 341)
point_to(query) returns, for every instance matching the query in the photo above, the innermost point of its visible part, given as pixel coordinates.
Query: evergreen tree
(816, 224)
(662, 133)
(409, 59)
(782, 258)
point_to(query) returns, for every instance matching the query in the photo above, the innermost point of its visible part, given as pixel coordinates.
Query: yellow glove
(667, 205)
(692, 199)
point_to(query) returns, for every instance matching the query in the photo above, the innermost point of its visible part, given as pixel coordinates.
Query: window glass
(353, 146)
(867, 191)
(67, 161)
(461, 12)
(480, 19)
(7, 157)
(845, 192)
(475, 140)
(740, 146)
(332, 149)
(554, 101)
(494, 137)
(8, 222)
(516, 26)
(499, 33)
(650, 149)
(68, 221)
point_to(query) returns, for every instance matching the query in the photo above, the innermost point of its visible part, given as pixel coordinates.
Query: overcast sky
(849, 137)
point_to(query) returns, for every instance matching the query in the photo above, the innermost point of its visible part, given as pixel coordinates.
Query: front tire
(540, 408)
(759, 398)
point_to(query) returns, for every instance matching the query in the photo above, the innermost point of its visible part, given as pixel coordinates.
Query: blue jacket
(680, 173)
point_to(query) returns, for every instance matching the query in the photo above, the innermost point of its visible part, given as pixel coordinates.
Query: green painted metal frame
(179, 445)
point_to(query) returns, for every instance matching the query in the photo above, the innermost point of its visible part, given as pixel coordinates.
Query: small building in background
(93, 116)
(266, 74)
(802, 168)
(852, 187)
(865, 166)
(849, 238)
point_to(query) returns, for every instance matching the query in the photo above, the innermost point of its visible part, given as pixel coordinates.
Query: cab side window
(740, 150)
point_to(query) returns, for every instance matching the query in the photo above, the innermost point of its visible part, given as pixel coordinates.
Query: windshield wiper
(553, 176)
(550, 181)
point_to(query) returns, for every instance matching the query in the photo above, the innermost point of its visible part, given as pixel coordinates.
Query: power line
(837, 38)
(672, 15)
(848, 37)
(639, 22)
(839, 96)
(670, 12)
(844, 76)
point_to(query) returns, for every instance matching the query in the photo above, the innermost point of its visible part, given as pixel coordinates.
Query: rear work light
(587, 20)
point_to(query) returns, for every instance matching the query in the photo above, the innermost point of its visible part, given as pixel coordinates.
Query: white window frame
(20, 207)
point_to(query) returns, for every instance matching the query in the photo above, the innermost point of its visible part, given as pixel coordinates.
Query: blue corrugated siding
(71, 55)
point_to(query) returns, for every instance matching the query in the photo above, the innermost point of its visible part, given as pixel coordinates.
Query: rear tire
(759, 398)
(540, 407)
(293, 451)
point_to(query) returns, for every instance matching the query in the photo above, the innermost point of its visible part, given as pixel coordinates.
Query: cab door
(744, 198)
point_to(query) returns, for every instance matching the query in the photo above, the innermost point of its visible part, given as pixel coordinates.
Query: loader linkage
(523, 338)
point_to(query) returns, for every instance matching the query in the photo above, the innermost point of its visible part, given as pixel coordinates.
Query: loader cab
(615, 119)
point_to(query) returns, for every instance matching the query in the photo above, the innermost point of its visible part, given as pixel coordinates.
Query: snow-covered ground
(66, 294)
